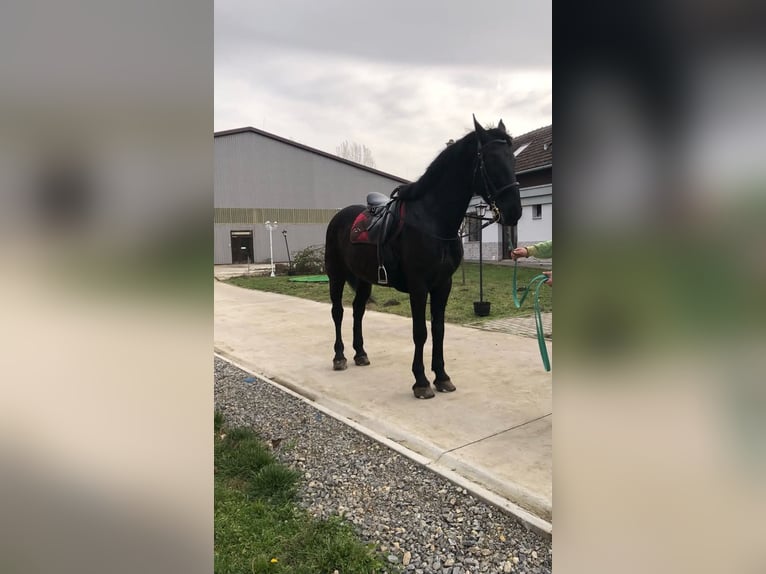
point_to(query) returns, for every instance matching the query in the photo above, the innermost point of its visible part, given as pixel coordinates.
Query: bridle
(491, 192)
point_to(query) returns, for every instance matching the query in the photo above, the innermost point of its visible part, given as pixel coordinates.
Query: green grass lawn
(258, 526)
(498, 280)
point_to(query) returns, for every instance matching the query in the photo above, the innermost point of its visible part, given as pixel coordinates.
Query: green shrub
(309, 261)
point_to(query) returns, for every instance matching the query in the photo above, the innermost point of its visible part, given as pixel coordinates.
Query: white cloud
(307, 88)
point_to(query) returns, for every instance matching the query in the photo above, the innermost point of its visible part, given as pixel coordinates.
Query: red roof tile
(538, 153)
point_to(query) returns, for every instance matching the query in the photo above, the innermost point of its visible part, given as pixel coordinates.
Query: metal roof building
(262, 177)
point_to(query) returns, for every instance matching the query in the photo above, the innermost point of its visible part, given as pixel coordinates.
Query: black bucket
(481, 308)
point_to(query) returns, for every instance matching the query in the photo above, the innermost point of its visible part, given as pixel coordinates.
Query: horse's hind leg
(439, 296)
(363, 290)
(336, 296)
(422, 386)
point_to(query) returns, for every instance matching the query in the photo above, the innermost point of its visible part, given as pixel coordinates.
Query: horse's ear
(477, 126)
(501, 127)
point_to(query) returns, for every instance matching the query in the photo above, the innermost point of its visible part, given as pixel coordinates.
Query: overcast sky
(401, 77)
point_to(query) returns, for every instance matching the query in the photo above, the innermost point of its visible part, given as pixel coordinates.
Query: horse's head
(495, 173)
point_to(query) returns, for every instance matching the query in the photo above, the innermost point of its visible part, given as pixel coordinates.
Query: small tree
(356, 152)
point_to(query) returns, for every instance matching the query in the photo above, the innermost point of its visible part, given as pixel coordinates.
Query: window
(537, 211)
(473, 228)
(520, 149)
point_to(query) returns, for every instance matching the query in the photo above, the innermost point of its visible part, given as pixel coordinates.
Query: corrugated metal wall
(298, 237)
(258, 179)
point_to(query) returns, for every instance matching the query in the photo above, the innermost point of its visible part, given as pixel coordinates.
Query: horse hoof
(339, 365)
(362, 360)
(423, 392)
(445, 386)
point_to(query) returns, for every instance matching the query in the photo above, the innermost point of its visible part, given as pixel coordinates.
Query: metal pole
(289, 259)
(481, 274)
(463, 228)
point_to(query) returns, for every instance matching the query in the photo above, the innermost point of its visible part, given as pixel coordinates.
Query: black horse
(425, 249)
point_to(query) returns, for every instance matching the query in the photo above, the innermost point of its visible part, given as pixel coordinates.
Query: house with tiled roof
(534, 172)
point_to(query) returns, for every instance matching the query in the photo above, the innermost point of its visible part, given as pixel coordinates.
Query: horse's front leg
(422, 386)
(363, 291)
(439, 296)
(336, 296)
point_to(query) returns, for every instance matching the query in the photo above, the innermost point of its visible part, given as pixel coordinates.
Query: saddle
(379, 223)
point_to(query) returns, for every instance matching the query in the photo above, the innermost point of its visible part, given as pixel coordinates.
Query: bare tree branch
(357, 152)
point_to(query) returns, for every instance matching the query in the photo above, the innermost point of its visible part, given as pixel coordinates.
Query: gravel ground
(419, 520)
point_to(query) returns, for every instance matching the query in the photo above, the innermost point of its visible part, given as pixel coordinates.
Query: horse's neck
(448, 209)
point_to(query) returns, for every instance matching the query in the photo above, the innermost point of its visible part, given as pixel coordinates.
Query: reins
(487, 224)
(535, 282)
(489, 187)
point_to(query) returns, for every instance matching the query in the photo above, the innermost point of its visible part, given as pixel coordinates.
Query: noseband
(491, 193)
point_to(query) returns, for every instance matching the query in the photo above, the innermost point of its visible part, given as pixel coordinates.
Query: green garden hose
(535, 282)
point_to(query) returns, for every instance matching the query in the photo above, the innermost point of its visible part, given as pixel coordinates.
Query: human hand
(549, 275)
(519, 252)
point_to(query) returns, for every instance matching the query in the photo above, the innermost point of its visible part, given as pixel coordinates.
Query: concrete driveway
(494, 431)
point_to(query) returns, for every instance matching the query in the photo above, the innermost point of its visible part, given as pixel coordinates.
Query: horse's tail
(337, 233)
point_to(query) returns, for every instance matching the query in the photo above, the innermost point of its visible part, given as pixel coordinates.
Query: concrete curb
(507, 497)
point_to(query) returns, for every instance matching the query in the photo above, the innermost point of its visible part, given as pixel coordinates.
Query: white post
(271, 226)
(271, 252)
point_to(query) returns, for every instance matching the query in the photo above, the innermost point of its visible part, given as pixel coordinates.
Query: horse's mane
(447, 156)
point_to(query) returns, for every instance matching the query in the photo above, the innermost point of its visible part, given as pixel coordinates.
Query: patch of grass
(274, 481)
(233, 437)
(497, 284)
(242, 458)
(330, 542)
(258, 526)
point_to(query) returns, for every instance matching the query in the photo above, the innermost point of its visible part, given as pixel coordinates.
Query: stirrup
(382, 275)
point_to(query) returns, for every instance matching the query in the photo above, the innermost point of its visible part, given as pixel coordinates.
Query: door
(241, 246)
